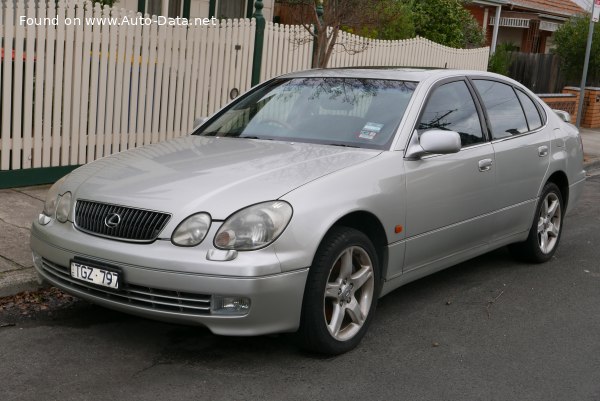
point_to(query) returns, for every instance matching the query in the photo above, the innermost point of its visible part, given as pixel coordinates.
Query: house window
(232, 8)
(175, 8)
(169, 8)
(154, 7)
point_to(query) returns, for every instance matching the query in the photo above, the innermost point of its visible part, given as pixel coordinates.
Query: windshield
(334, 111)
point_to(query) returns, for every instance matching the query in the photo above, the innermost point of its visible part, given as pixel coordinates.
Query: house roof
(560, 7)
(585, 4)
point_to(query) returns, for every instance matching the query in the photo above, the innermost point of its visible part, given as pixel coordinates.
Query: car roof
(396, 73)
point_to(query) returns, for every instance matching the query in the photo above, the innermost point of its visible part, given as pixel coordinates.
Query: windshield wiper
(343, 145)
(256, 137)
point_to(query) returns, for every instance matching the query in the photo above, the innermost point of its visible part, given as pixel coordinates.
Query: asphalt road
(488, 329)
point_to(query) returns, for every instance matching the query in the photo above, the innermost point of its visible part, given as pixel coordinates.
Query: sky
(585, 4)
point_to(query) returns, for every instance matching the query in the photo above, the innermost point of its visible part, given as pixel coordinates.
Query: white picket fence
(72, 93)
(287, 48)
(75, 93)
(357, 51)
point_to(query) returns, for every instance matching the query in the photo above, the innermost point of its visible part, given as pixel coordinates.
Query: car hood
(215, 175)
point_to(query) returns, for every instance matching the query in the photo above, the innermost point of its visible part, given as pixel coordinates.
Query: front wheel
(341, 292)
(546, 229)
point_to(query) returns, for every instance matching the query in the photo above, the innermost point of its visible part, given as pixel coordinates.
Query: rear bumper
(575, 191)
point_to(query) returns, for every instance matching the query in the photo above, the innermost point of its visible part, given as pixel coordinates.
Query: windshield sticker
(370, 131)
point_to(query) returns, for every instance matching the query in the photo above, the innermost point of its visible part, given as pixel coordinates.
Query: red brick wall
(476, 12)
(568, 104)
(591, 117)
(479, 12)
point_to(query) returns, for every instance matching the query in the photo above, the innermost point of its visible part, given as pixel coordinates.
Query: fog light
(43, 219)
(233, 306)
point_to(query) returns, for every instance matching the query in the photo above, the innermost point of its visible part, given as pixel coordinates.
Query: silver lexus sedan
(297, 206)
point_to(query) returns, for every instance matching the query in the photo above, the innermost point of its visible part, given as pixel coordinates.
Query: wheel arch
(371, 226)
(562, 182)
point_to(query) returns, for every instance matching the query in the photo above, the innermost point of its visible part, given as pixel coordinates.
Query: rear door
(522, 147)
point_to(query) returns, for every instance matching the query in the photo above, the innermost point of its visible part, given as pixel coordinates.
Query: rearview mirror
(435, 141)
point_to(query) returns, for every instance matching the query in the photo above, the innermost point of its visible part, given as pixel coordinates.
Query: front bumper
(180, 290)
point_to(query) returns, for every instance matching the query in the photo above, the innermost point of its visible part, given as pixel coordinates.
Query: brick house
(526, 24)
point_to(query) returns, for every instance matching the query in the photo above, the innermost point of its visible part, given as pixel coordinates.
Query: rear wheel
(546, 229)
(341, 292)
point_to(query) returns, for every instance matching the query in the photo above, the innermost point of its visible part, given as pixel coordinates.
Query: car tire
(341, 293)
(546, 228)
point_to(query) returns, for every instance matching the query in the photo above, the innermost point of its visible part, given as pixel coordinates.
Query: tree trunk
(324, 48)
(331, 45)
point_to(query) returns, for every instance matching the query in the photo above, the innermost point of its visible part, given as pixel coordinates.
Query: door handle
(485, 165)
(543, 151)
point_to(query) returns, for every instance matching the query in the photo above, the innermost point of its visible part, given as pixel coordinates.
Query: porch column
(486, 17)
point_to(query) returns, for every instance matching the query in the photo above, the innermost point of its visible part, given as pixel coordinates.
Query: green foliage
(472, 32)
(570, 41)
(509, 47)
(500, 60)
(443, 21)
(446, 22)
(395, 21)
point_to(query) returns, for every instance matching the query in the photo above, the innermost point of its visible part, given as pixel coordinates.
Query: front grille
(137, 225)
(131, 294)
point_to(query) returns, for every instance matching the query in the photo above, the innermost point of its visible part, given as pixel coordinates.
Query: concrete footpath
(20, 206)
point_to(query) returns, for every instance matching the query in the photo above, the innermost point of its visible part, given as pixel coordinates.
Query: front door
(450, 197)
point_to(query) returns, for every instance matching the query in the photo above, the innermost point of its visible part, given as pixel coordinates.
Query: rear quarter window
(534, 120)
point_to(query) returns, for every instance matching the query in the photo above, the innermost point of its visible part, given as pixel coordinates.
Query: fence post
(258, 41)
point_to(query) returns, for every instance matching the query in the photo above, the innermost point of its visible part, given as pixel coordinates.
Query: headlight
(52, 198)
(192, 230)
(254, 227)
(63, 207)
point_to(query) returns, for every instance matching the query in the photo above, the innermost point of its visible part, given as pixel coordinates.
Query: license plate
(95, 275)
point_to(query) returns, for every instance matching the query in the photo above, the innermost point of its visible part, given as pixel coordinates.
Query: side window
(531, 112)
(451, 107)
(503, 108)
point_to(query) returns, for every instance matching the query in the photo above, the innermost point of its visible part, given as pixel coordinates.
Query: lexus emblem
(112, 220)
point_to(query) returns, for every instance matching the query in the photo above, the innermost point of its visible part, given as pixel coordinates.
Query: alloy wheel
(349, 293)
(549, 222)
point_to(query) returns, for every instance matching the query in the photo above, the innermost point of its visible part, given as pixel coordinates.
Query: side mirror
(198, 122)
(565, 116)
(435, 141)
